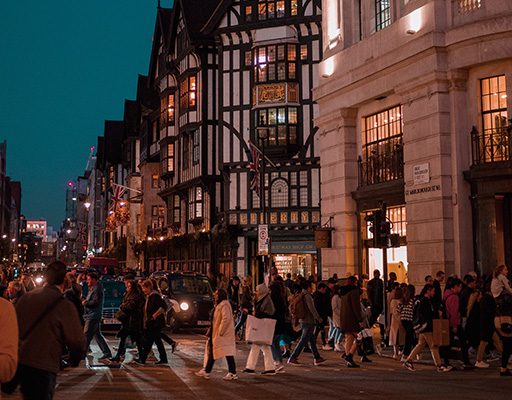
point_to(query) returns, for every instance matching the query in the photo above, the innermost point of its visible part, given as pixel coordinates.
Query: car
(189, 298)
(113, 297)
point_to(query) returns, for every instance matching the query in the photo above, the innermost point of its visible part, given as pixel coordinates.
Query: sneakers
(365, 359)
(293, 361)
(249, 371)
(444, 368)
(269, 372)
(338, 348)
(409, 366)
(327, 347)
(482, 364)
(319, 361)
(230, 377)
(105, 357)
(203, 374)
(279, 368)
(162, 362)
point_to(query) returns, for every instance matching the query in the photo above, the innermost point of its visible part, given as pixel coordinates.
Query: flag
(82, 232)
(254, 169)
(117, 194)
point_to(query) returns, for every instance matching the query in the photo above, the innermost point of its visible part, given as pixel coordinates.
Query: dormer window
(262, 10)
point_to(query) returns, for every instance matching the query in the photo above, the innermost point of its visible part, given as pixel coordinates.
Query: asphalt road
(385, 378)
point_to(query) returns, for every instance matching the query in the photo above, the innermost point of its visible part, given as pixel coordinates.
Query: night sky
(65, 67)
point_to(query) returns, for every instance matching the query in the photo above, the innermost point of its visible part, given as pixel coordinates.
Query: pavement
(384, 378)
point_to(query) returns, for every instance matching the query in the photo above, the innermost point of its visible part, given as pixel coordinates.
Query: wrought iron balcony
(381, 167)
(491, 146)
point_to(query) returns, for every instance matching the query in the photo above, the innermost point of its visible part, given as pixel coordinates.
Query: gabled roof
(216, 16)
(147, 97)
(162, 24)
(195, 14)
(131, 119)
(114, 132)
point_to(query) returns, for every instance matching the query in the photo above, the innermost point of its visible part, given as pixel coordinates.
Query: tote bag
(259, 330)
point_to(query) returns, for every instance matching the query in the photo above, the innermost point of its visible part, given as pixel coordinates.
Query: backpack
(298, 306)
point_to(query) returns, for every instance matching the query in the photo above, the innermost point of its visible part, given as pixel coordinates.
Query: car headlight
(184, 306)
(39, 280)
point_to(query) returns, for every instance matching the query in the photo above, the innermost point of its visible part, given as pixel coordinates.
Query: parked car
(189, 298)
(112, 299)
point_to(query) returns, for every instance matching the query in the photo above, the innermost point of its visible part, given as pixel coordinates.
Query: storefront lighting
(4, 236)
(162, 238)
(150, 238)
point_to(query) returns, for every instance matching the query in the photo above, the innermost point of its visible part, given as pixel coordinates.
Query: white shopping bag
(259, 330)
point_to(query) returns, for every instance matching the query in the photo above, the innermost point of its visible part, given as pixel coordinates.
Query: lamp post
(263, 135)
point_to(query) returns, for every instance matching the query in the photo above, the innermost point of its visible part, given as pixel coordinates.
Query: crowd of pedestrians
(44, 329)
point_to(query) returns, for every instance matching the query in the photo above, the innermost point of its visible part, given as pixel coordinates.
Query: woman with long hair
(221, 337)
(406, 310)
(130, 315)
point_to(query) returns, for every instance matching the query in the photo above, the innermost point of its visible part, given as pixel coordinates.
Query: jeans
(337, 335)
(241, 322)
(153, 336)
(410, 337)
(446, 351)
(36, 384)
(426, 339)
(307, 337)
(320, 329)
(210, 361)
(507, 351)
(92, 331)
(252, 359)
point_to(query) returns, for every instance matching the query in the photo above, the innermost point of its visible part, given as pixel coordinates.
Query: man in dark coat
(154, 322)
(351, 318)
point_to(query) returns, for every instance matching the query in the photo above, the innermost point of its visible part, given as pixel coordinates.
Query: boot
(350, 361)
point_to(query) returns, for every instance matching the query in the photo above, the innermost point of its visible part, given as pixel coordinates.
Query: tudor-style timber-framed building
(223, 69)
(268, 54)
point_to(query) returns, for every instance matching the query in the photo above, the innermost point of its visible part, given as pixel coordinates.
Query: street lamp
(87, 205)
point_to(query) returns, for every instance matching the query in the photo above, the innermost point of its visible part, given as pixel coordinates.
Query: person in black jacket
(130, 315)
(424, 315)
(281, 309)
(322, 299)
(154, 322)
(437, 300)
(375, 291)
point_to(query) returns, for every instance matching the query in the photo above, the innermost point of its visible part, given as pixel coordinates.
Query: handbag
(121, 316)
(259, 330)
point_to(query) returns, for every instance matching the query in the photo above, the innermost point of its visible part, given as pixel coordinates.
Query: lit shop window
(188, 94)
(495, 141)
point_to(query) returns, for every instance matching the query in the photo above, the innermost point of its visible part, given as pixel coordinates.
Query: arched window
(279, 193)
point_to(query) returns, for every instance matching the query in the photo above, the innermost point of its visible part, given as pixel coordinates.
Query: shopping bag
(259, 330)
(441, 332)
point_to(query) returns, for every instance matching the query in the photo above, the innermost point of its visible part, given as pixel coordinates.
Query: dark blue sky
(65, 67)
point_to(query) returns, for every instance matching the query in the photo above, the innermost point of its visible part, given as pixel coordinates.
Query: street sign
(262, 240)
(421, 174)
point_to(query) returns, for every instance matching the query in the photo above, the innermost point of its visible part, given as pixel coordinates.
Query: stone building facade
(414, 112)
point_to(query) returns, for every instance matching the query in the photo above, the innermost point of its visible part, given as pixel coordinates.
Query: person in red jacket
(452, 308)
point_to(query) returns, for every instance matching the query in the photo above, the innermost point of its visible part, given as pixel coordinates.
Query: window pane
(292, 115)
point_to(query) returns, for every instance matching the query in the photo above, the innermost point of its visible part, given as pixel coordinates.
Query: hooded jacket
(451, 303)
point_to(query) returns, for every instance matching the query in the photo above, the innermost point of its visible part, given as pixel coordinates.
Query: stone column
(338, 159)
(427, 142)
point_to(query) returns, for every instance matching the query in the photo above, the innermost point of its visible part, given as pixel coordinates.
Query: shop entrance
(295, 264)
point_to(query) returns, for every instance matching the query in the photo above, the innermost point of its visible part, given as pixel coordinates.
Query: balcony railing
(491, 146)
(379, 168)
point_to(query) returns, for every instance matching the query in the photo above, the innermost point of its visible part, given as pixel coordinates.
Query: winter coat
(223, 331)
(452, 307)
(154, 302)
(351, 314)
(311, 314)
(323, 304)
(280, 313)
(336, 310)
(375, 290)
(264, 307)
(133, 308)
(94, 303)
(246, 298)
(396, 330)
(426, 314)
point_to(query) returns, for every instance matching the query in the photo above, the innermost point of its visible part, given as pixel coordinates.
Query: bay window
(282, 124)
(195, 205)
(167, 110)
(167, 158)
(188, 94)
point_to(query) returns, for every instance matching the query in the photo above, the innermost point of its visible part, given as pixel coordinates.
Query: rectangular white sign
(421, 174)
(262, 240)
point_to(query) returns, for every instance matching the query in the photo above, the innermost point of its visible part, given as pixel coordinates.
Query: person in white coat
(221, 337)
(263, 308)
